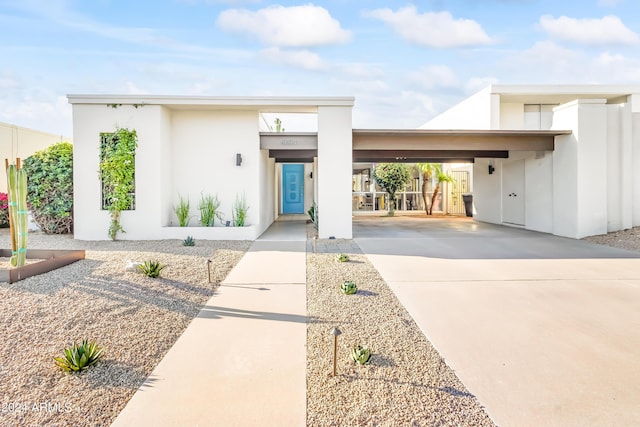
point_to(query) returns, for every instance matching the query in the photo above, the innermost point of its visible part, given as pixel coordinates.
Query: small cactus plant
(348, 288)
(342, 257)
(189, 241)
(79, 356)
(361, 354)
(151, 268)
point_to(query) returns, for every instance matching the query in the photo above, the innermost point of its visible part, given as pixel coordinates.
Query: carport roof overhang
(428, 145)
(415, 145)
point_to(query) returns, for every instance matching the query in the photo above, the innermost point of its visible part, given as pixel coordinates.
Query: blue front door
(292, 189)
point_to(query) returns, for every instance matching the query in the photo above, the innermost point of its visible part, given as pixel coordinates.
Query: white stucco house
(586, 183)
(188, 146)
(556, 159)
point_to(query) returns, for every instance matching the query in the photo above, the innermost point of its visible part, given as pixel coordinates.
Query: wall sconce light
(491, 169)
(238, 159)
(311, 175)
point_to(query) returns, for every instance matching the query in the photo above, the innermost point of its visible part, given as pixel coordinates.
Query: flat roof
(279, 104)
(560, 94)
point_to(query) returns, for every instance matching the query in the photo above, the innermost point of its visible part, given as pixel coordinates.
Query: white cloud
(476, 84)
(433, 29)
(135, 90)
(434, 76)
(8, 82)
(294, 57)
(545, 62)
(294, 26)
(548, 63)
(604, 31)
(48, 114)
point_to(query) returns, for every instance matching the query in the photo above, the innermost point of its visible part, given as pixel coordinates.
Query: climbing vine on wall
(117, 171)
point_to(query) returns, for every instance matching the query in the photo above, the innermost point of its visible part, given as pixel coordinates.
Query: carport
(544, 330)
(447, 146)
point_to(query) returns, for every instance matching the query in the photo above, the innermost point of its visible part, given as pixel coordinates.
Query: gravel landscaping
(135, 318)
(406, 381)
(625, 239)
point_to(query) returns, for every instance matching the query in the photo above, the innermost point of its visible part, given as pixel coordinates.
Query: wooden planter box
(51, 259)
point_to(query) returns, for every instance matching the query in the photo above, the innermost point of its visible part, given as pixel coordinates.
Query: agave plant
(361, 354)
(151, 268)
(79, 356)
(348, 288)
(189, 241)
(342, 257)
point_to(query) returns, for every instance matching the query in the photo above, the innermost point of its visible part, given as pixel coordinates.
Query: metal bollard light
(335, 332)
(209, 269)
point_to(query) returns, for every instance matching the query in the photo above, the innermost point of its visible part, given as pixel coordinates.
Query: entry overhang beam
(293, 156)
(429, 156)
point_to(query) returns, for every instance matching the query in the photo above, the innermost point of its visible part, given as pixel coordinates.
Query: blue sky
(404, 62)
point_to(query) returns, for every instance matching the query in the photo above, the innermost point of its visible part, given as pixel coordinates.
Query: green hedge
(50, 188)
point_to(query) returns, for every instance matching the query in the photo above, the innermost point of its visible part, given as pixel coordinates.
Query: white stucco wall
(90, 221)
(635, 156)
(267, 189)
(511, 115)
(487, 191)
(613, 168)
(179, 152)
(539, 191)
(308, 186)
(580, 184)
(474, 112)
(204, 147)
(166, 197)
(334, 172)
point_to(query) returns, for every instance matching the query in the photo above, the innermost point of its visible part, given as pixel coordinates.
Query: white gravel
(135, 318)
(625, 239)
(406, 383)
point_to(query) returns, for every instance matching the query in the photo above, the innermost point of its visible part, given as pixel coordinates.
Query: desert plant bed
(134, 318)
(404, 383)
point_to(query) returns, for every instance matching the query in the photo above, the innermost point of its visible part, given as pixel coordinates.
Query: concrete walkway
(544, 331)
(242, 360)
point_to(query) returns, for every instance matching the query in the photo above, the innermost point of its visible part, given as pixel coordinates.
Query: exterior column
(579, 169)
(335, 163)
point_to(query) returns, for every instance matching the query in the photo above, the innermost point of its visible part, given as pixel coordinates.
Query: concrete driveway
(543, 330)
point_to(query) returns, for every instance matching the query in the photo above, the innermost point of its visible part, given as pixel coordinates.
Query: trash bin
(468, 204)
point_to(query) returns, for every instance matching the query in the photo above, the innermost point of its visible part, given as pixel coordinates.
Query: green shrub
(79, 356)
(209, 210)
(189, 241)
(342, 257)
(117, 172)
(151, 268)
(239, 214)
(313, 215)
(50, 188)
(392, 177)
(348, 288)
(182, 211)
(361, 354)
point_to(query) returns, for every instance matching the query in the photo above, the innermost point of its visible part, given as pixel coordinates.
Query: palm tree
(429, 171)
